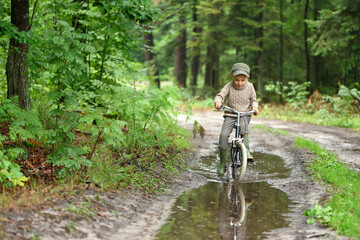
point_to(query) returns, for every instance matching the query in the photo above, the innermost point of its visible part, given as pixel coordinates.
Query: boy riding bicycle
(241, 96)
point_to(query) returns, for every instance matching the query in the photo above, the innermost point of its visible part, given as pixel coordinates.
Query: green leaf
(310, 220)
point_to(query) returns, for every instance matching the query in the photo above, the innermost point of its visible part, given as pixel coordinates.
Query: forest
(89, 88)
(110, 71)
(113, 72)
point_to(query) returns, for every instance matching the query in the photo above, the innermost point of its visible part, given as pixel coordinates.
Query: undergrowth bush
(116, 136)
(341, 111)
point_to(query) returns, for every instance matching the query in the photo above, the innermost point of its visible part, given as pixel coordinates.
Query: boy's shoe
(222, 164)
(250, 158)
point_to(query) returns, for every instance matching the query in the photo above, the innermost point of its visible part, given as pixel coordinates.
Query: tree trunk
(195, 63)
(213, 55)
(307, 54)
(281, 51)
(149, 55)
(259, 35)
(180, 67)
(208, 68)
(215, 70)
(356, 73)
(16, 71)
(318, 60)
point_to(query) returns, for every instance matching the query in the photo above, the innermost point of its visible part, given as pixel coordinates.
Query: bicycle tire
(241, 156)
(244, 162)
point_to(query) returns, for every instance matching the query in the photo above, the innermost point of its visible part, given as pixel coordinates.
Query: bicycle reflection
(232, 212)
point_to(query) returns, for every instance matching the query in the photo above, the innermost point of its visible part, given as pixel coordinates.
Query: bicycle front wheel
(241, 157)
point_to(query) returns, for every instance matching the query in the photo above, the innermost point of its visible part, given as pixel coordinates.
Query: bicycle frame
(238, 149)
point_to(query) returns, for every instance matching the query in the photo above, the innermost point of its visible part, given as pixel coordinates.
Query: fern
(10, 173)
(348, 94)
(70, 157)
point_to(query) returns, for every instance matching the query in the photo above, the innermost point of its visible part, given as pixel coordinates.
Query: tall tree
(259, 37)
(307, 53)
(16, 69)
(195, 61)
(213, 49)
(318, 60)
(180, 66)
(338, 40)
(281, 49)
(149, 55)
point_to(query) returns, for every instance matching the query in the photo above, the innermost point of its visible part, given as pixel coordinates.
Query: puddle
(265, 166)
(220, 210)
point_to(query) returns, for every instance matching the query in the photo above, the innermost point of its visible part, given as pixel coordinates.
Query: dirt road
(345, 143)
(130, 216)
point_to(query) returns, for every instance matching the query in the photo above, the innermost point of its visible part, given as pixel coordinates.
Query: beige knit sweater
(240, 99)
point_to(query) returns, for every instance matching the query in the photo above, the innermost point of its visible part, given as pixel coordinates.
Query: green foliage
(335, 27)
(23, 124)
(336, 38)
(294, 93)
(324, 110)
(348, 94)
(10, 173)
(318, 213)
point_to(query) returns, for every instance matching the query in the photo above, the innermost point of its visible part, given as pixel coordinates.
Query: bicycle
(238, 154)
(238, 207)
(233, 207)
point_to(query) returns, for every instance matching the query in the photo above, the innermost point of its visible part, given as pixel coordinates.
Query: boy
(241, 96)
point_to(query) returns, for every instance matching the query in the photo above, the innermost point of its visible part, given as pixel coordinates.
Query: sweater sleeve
(253, 100)
(220, 97)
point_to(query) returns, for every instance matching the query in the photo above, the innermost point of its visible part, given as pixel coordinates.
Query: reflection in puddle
(211, 212)
(220, 210)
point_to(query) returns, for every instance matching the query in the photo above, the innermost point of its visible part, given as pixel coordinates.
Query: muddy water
(220, 210)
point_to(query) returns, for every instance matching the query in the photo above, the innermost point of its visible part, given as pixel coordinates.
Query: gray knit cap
(240, 68)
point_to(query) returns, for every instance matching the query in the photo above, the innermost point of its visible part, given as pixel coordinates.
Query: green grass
(276, 131)
(203, 104)
(342, 210)
(321, 117)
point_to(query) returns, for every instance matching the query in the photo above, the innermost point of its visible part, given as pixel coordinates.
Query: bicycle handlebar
(223, 107)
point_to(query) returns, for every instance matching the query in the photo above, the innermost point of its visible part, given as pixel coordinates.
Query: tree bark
(281, 50)
(208, 68)
(259, 35)
(180, 67)
(195, 62)
(16, 70)
(213, 55)
(307, 54)
(149, 55)
(215, 69)
(318, 60)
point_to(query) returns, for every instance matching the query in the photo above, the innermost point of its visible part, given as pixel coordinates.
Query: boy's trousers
(228, 126)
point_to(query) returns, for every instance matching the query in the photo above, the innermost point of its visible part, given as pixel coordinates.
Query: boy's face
(240, 80)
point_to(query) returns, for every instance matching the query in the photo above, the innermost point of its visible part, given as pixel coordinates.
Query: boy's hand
(256, 110)
(217, 105)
